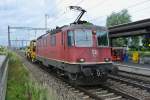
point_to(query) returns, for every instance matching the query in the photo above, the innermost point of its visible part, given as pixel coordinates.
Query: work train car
(30, 51)
(79, 51)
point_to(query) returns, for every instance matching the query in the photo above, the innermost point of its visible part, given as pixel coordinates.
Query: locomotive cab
(88, 48)
(87, 45)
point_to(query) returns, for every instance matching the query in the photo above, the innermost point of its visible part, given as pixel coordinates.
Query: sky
(31, 13)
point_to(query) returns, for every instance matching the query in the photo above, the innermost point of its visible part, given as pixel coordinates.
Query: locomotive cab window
(102, 38)
(70, 38)
(83, 38)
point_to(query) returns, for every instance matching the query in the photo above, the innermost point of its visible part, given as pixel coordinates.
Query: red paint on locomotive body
(57, 47)
(79, 51)
(90, 55)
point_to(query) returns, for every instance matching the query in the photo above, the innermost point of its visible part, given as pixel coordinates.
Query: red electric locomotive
(80, 50)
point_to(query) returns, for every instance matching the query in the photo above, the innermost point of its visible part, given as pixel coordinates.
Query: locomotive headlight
(81, 60)
(106, 59)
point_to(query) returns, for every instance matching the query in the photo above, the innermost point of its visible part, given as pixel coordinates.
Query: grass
(20, 86)
(3, 51)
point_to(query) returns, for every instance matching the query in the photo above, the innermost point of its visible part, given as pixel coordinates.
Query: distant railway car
(30, 51)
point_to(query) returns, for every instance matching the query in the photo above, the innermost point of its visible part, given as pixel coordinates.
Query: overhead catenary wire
(63, 13)
(137, 4)
(133, 16)
(59, 18)
(141, 10)
(128, 7)
(79, 2)
(98, 4)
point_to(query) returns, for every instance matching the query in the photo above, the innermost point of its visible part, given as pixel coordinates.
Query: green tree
(135, 42)
(119, 18)
(146, 42)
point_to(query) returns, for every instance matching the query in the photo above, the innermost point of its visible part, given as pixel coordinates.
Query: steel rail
(130, 82)
(120, 93)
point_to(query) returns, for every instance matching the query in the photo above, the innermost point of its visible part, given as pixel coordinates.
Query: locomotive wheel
(72, 77)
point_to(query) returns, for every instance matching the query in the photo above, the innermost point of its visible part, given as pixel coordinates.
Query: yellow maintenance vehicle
(135, 57)
(30, 51)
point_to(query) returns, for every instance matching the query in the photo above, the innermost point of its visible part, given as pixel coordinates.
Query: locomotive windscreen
(102, 38)
(83, 38)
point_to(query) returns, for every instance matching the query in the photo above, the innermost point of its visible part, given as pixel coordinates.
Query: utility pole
(35, 33)
(9, 44)
(22, 44)
(46, 16)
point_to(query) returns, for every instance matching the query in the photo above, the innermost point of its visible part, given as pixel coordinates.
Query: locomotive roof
(74, 26)
(83, 26)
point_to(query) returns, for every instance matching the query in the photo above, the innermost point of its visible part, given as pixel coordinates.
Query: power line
(26, 28)
(104, 16)
(98, 4)
(139, 3)
(52, 9)
(141, 10)
(79, 2)
(137, 11)
(61, 18)
(75, 4)
(131, 6)
(64, 12)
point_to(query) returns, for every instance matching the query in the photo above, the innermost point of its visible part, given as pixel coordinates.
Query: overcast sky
(31, 13)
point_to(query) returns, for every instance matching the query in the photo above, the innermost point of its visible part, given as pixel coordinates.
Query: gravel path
(60, 89)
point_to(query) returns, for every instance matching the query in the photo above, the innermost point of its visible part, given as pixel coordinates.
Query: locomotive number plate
(94, 52)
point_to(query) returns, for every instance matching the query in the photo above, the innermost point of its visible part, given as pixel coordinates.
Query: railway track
(102, 92)
(134, 76)
(131, 81)
(133, 85)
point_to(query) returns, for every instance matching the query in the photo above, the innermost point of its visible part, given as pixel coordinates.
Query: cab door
(63, 46)
(68, 44)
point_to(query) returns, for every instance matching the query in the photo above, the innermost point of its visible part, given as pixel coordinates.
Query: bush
(3, 50)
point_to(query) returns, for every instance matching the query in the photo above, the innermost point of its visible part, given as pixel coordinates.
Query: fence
(3, 76)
